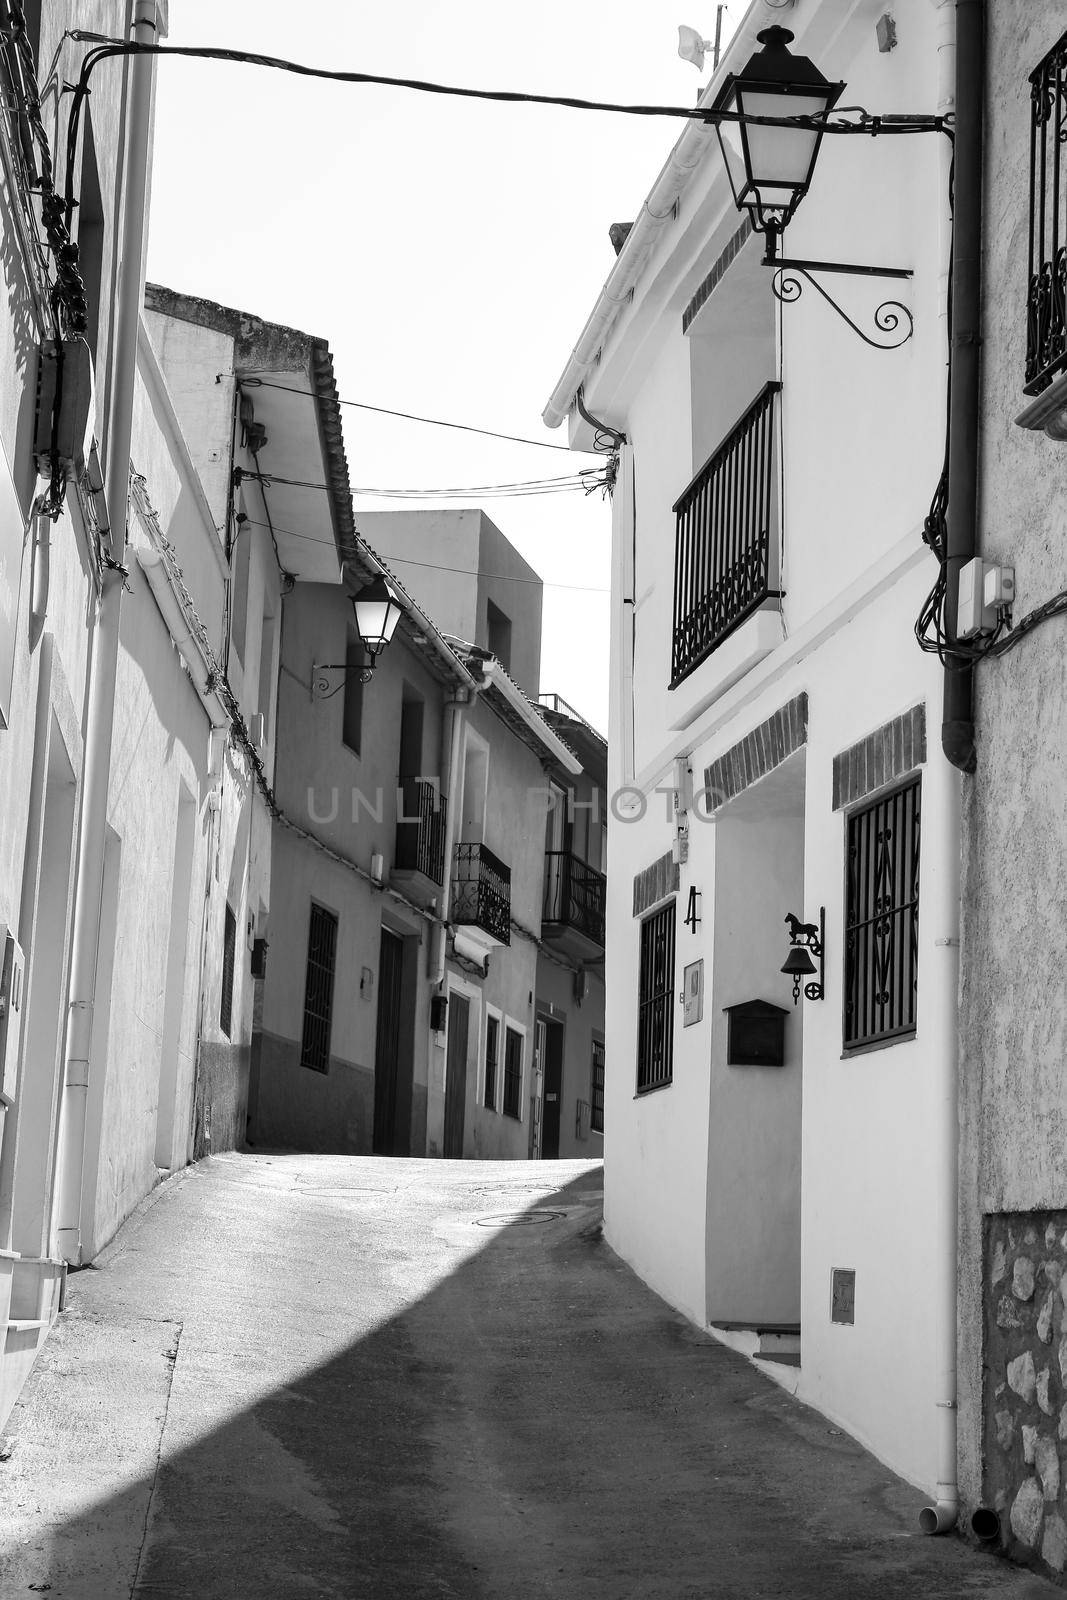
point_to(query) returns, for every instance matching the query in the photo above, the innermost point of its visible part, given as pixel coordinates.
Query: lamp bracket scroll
(806, 939)
(889, 317)
(320, 684)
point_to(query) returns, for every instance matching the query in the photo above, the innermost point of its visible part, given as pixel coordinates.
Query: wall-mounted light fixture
(773, 115)
(377, 611)
(806, 940)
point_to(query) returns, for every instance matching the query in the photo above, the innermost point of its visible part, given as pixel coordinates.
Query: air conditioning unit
(64, 378)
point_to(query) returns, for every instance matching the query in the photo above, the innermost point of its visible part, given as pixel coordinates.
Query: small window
(318, 990)
(352, 726)
(596, 1091)
(498, 626)
(882, 918)
(492, 1053)
(229, 955)
(655, 1023)
(513, 1074)
(1046, 326)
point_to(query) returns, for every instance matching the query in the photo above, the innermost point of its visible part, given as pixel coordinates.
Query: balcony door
(387, 1046)
(456, 1073)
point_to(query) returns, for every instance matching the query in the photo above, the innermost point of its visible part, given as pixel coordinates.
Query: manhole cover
(519, 1219)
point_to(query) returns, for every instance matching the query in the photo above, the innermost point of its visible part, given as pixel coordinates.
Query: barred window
(318, 990)
(596, 1092)
(655, 1016)
(882, 918)
(512, 1073)
(492, 1051)
(229, 956)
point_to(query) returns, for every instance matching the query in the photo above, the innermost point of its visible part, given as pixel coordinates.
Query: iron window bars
(512, 1106)
(882, 918)
(722, 552)
(481, 890)
(492, 1051)
(318, 990)
(420, 845)
(655, 1010)
(1046, 306)
(596, 1091)
(574, 894)
(229, 957)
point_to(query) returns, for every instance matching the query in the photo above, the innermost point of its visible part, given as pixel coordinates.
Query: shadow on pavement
(535, 1423)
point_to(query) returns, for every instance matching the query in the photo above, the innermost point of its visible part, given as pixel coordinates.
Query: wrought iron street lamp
(377, 612)
(772, 118)
(770, 165)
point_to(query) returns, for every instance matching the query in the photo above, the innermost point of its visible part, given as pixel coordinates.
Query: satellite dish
(691, 46)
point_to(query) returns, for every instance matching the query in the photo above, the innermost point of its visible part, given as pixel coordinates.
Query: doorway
(552, 1058)
(387, 1047)
(456, 1069)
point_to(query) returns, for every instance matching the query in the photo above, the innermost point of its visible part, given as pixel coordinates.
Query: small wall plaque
(843, 1295)
(755, 1034)
(693, 994)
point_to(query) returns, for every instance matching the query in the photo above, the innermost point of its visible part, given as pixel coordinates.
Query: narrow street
(314, 1375)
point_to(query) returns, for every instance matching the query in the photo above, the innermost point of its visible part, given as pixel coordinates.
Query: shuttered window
(492, 1052)
(318, 990)
(655, 1011)
(596, 1093)
(229, 956)
(512, 1074)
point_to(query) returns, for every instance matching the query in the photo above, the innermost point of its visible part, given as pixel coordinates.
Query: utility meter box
(985, 588)
(12, 985)
(64, 379)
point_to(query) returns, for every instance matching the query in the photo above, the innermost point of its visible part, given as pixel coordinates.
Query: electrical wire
(585, 480)
(825, 124)
(437, 566)
(409, 416)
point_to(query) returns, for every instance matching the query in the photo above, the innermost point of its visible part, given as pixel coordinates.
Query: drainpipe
(451, 737)
(85, 934)
(962, 77)
(957, 731)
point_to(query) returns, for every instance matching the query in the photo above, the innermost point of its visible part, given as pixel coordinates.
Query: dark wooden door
(387, 1048)
(456, 1068)
(553, 1091)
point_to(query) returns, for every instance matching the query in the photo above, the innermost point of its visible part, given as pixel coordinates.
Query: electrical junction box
(985, 589)
(75, 424)
(12, 984)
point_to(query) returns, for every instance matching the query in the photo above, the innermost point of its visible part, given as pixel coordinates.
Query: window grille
(655, 1025)
(229, 956)
(596, 1096)
(723, 556)
(512, 1073)
(882, 918)
(492, 1051)
(318, 990)
(1046, 307)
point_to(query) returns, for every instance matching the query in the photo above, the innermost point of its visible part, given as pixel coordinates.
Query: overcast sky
(448, 250)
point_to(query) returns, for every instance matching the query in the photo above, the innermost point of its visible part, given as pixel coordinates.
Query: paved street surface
(296, 1376)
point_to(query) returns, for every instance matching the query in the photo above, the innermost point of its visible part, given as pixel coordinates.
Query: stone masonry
(1025, 1398)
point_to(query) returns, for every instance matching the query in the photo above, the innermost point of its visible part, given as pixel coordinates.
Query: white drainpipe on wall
(941, 1517)
(92, 833)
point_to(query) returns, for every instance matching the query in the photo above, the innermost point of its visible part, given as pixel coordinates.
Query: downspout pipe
(957, 729)
(100, 721)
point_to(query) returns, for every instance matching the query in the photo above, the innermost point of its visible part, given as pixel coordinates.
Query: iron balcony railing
(420, 842)
(574, 894)
(723, 548)
(1046, 309)
(481, 890)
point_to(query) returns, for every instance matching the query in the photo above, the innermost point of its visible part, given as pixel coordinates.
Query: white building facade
(780, 1172)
